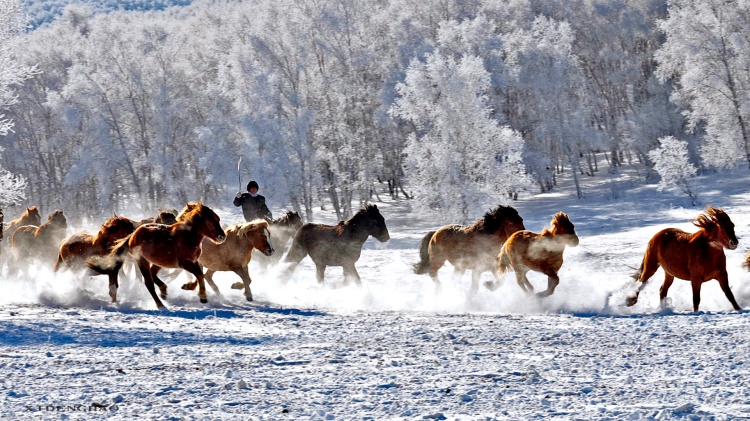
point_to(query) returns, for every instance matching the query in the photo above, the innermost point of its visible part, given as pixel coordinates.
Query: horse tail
(112, 262)
(58, 262)
(423, 265)
(297, 251)
(503, 261)
(637, 274)
(746, 263)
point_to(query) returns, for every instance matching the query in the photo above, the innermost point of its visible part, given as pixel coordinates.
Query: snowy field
(396, 348)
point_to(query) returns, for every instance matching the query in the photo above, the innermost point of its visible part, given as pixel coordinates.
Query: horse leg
(145, 269)
(209, 277)
(476, 273)
(696, 284)
(197, 271)
(724, 284)
(668, 279)
(350, 271)
(649, 266)
(552, 282)
(113, 285)
(320, 271)
(162, 286)
(523, 282)
(245, 276)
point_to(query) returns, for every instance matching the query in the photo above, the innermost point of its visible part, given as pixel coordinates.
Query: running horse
(155, 246)
(30, 216)
(81, 246)
(338, 245)
(472, 247)
(697, 257)
(41, 242)
(235, 253)
(526, 250)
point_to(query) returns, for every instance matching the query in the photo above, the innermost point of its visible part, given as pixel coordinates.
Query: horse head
(260, 236)
(57, 220)
(375, 223)
(563, 228)
(31, 216)
(504, 220)
(718, 226)
(204, 219)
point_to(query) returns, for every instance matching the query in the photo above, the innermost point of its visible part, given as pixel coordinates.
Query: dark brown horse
(526, 250)
(339, 245)
(472, 247)
(155, 246)
(696, 257)
(40, 243)
(282, 230)
(234, 254)
(77, 248)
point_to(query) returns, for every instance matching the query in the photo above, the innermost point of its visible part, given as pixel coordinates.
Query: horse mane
(710, 218)
(190, 211)
(556, 220)
(241, 229)
(109, 224)
(493, 220)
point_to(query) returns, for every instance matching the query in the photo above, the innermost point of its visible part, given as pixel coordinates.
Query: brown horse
(526, 250)
(282, 230)
(697, 257)
(40, 243)
(30, 216)
(339, 245)
(235, 253)
(472, 247)
(171, 246)
(77, 248)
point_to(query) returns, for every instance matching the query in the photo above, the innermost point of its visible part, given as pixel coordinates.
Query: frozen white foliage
(672, 163)
(462, 160)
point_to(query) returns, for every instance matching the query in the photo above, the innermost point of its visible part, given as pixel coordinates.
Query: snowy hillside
(395, 347)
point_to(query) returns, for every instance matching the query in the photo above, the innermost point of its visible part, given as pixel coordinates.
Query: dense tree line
(470, 102)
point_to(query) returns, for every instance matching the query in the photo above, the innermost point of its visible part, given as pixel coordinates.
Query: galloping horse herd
(194, 240)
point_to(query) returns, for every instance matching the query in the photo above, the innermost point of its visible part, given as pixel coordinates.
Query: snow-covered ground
(396, 347)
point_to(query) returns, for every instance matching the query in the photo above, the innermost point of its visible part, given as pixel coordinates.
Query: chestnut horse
(282, 230)
(339, 245)
(168, 217)
(77, 248)
(30, 216)
(41, 243)
(235, 253)
(526, 250)
(155, 246)
(697, 257)
(472, 247)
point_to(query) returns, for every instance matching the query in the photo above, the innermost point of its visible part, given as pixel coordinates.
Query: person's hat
(252, 184)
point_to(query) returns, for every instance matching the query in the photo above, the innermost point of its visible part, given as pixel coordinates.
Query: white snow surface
(397, 348)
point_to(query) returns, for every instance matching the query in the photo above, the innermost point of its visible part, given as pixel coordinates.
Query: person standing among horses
(253, 204)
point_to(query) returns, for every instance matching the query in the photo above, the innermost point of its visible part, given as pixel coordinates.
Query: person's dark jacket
(253, 207)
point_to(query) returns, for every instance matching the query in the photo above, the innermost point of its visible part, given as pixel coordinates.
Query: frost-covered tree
(12, 73)
(672, 163)
(706, 54)
(462, 160)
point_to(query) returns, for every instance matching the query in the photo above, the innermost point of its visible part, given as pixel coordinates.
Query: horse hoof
(491, 285)
(630, 301)
(238, 285)
(204, 300)
(189, 286)
(249, 297)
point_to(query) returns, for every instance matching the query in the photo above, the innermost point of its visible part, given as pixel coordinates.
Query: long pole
(239, 176)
